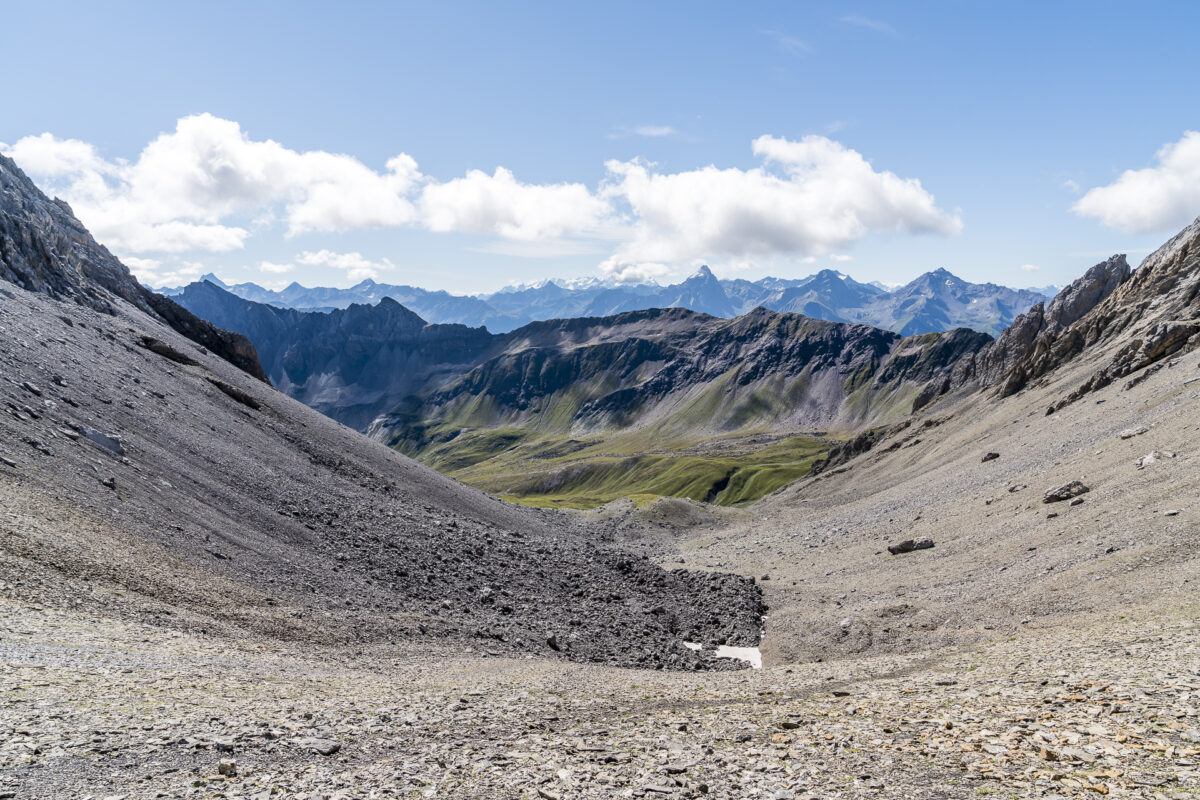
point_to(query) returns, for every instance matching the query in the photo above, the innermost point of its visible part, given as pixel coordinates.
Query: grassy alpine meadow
(560, 471)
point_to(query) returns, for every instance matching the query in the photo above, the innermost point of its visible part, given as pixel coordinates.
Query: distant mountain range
(934, 302)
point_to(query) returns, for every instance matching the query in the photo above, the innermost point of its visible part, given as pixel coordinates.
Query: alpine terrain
(936, 301)
(986, 584)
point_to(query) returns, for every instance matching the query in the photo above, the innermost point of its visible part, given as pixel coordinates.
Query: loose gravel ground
(92, 706)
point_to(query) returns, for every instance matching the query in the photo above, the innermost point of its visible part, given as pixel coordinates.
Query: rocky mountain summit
(43, 248)
(934, 302)
(350, 364)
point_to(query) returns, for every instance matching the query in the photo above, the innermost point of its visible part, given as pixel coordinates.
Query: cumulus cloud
(208, 186)
(840, 257)
(355, 266)
(500, 204)
(810, 196)
(276, 269)
(633, 272)
(1157, 198)
(186, 185)
(1029, 268)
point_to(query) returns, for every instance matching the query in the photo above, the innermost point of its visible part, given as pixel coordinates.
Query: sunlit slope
(678, 404)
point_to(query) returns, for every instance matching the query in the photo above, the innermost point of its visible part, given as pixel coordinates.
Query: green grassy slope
(554, 470)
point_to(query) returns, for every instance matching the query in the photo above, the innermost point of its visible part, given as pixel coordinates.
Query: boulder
(1065, 492)
(909, 545)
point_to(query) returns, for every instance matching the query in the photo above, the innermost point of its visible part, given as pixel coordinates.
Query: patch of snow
(751, 655)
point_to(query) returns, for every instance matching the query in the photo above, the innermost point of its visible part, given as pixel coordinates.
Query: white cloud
(840, 257)
(1162, 197)
(654, 130)
(642, 272)
(1029, 268)
(877, 25)
(185, 185)
(501, 205)
(355, 266)
(811, 196)
(149, 272)
(208, 186)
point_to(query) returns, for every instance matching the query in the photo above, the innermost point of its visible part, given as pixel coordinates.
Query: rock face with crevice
(1024, 350)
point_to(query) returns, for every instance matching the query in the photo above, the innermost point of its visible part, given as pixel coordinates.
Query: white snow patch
(752, 655)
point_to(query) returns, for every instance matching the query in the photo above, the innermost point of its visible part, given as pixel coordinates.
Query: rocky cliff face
(44, 249)
(1152, 315)
(1021, 353)
(1037, 341)
(1135, 318)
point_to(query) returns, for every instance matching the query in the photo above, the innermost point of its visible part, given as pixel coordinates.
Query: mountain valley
(583, 411)
(211, 589)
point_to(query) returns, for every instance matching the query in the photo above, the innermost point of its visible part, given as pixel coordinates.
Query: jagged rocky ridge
(200, 496)
(43, 248)
(669, 366)
(350, 364)
(1146, 315)
(1022, 351)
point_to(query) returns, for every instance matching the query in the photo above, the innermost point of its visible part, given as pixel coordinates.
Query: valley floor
(99, 707)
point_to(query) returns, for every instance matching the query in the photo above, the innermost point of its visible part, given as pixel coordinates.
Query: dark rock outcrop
(910, 546)
(1030, 346)
(45, 249)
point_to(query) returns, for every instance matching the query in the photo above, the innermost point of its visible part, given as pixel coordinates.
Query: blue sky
(465, 146)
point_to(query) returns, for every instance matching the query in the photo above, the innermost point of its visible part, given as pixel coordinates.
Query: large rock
(1065, 492)
(910, 545)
